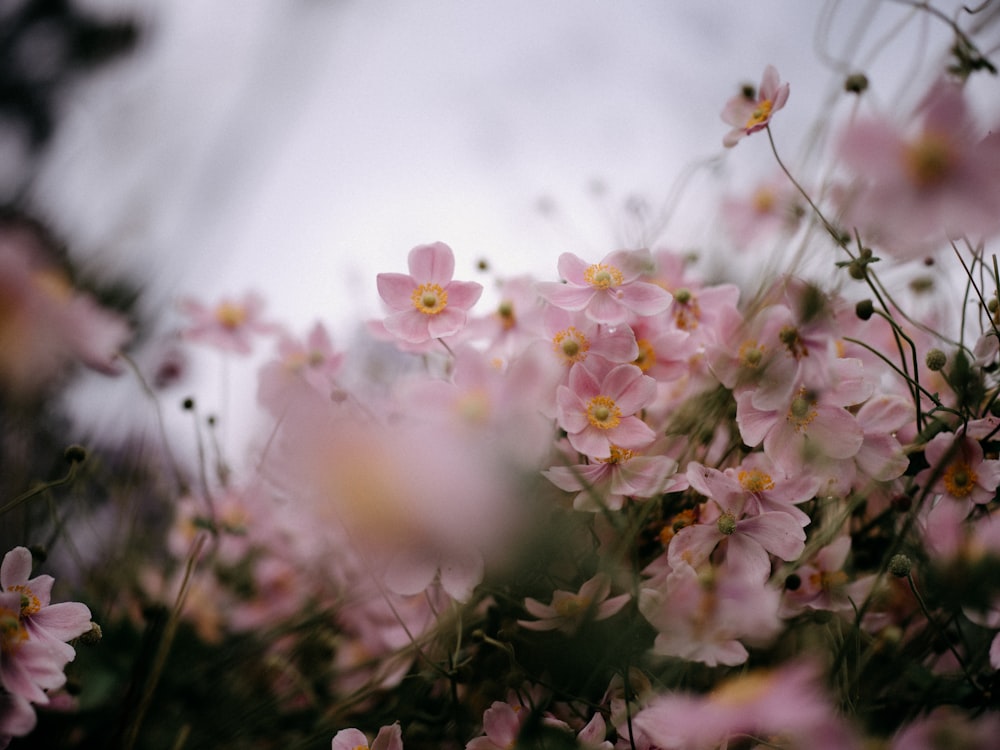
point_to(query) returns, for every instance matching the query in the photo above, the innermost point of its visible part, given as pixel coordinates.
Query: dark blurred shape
(45, 45)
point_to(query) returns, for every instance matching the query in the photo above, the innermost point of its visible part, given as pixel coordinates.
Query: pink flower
(788, 702)
(748, 539)
(502, 724)
(427, 304)
(748, 113)
(229, 325)
(918, 187)
(609, 291)
(313, 361)
(45, 324)
(707, 618)
(606, 483)
(51, 624)
(388, 738)
(958, 470)
(17, 717)
(568, 611)
(598, 414)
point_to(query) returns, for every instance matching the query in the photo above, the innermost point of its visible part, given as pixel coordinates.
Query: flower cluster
(629, 506)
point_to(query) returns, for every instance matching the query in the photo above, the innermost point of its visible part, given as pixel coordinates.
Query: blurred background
(300, 147)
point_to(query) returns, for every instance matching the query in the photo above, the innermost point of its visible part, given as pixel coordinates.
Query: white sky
(299, 147)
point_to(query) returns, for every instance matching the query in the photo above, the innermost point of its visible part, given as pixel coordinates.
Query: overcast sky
(299, 147)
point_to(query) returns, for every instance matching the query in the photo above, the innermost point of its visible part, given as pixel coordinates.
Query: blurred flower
(748, 113)
(229, 325)
(568, 611)
(388, 738)
(47, 325)
(918, 187)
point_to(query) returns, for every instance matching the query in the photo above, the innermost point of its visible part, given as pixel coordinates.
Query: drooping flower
(426, 303)
(751, 111)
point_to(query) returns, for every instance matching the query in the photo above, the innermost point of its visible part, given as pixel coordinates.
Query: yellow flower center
(571, 345)
(750, 354)
(929, 160)
(647, 355)
(738, 691)
(603, 413)
(764, 200)
(505, 311)
(760, 115)
(230, 315)
(687, 312)
(29, 602)
(829, 580)
(602, 275)
(618, 455)
(430, 299)
(801, 413)
(960, 479)
(12, 631)
(755, 480)
(790, 337)
(571, 606)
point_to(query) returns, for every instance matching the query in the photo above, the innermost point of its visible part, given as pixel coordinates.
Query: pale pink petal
(463, 294)
(611, 606)
(15, 568)
(446, 323)
(645, 299)
(746, 559)
(388, 738)
(779, 533)
(396, 289)
(605, 307)
(629, 388)
(566, 296)
(349, 739)
(572, 268)
(434, 264)
(694, 544)
(409, 325)
(501, 724)
(632, 433)
(593, 442)
(572, 413)
(64, 621)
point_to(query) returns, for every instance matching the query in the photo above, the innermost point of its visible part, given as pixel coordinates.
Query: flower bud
(856, 83)
(936, 360)
(864, 309)
(900, 565)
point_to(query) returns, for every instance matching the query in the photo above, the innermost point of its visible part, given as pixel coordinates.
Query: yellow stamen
(790, 337)
(571, 606)
(687, 312)
(12, 631)
(929, 160)
(764, 200)
(230, 315)
(801, 413)
(603, 413)
(960, 479)
(647, 355)
(755, 481)
(828, 580)
(760, 115)
(741, 690)
(430, 299)
(29, 602)
(602, 276)
(750, 354)
(618, 455)
(571, 345)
